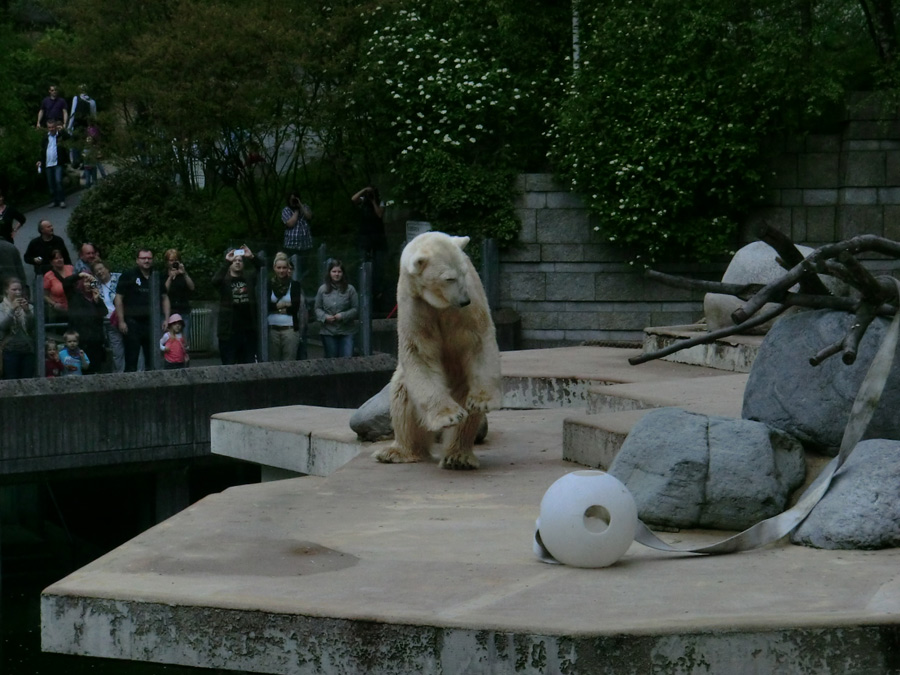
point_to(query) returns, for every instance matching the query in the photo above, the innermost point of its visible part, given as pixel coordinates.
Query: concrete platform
(735, 353)
(412, 569)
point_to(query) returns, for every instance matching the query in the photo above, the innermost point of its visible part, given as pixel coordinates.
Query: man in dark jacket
(41, 247)
(54, 157)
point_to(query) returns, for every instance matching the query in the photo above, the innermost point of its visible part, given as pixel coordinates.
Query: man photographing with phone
(180, 288)
(235, 282)
(297, 235)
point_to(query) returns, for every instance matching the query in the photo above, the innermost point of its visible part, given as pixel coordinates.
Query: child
(74, 360)
(53, 367)
(173, 345)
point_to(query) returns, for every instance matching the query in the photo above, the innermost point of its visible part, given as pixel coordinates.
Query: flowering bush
(452, 79)
(665, 124)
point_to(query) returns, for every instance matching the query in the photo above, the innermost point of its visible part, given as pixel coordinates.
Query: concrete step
(562, 378)
(722, 395)
(594, 437)
(594, 440)
(734, 353)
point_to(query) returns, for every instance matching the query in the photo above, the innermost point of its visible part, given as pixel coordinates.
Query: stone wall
(829, 187)
(69, 423)
(569, 286)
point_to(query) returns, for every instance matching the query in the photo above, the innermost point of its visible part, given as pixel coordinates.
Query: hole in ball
(596, 519)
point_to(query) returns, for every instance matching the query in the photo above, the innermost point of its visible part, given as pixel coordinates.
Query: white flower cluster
(447, 90)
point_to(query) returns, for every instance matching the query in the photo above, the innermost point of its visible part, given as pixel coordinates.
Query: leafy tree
(24, 76)
(228, 87)
(666, 123)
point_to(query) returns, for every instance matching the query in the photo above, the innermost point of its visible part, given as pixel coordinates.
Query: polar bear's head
(437, 269)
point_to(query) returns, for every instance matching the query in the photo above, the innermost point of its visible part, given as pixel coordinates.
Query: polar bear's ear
(462, 242)
(417, 264)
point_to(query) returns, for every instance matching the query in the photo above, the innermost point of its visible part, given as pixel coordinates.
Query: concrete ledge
(157, 416)
(298, 439)
(735, 353)
(710, 395)
(594, 440)
(266, 642)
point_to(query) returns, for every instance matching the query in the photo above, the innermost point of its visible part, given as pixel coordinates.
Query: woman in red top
(54, 293)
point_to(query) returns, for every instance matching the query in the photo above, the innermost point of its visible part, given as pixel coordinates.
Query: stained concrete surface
(410, 568)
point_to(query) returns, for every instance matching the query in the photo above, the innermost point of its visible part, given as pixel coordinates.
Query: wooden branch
(791, 257)
(864, 317)
(877, 295)
(742, 291)
(776, 290)
(823, 354)
(861, 277)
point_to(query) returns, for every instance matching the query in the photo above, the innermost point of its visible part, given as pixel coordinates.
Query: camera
(92, 283)
(239, 252)
(176, 265)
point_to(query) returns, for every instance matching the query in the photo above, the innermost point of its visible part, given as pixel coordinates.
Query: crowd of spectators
(91, 312)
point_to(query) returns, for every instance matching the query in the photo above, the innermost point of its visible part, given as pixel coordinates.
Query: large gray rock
(813, 403)
(861, 509)
(690, 470)
(755, 263)
(372, 420)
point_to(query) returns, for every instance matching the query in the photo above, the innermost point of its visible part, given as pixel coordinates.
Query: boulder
(754, 263)
(812, 403)
(688, 470)
(861, 509)
(372, 420)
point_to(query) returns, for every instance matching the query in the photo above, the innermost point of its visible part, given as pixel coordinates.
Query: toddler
(74, 360)
(173, 345)
(53, 367)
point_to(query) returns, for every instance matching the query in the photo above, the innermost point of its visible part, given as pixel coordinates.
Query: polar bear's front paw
(394, 455)
(480, 401)
(447, 416)
(460, 461)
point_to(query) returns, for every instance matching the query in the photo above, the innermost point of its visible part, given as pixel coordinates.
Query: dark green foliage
(456, 91)
(668, 122)
(136, 208)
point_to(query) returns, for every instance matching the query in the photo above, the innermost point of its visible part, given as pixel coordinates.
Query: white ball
(588, 519)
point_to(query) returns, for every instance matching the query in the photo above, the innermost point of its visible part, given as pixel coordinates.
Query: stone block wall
(830, 187)
(569, 286)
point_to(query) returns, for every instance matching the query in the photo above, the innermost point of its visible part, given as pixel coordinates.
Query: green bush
(139, 208)
(667, 125)
(459, 104)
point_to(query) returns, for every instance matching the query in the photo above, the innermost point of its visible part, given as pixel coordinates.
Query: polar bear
(448, 370)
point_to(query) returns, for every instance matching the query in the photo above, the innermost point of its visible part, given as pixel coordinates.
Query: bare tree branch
(876, 295)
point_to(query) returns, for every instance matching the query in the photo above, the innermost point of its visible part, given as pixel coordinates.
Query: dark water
(20, 649)
(51, 529)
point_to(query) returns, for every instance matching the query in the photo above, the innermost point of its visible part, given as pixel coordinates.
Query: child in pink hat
(173, 345)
